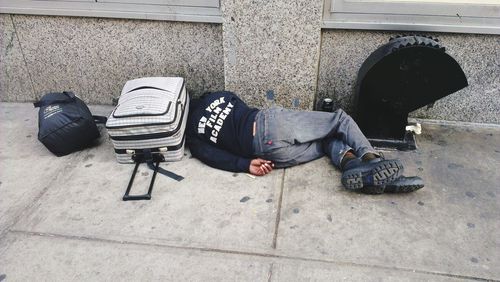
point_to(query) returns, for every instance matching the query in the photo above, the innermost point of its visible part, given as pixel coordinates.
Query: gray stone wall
(271, 50)
(15, 81)
(343, 52)
(95, 57)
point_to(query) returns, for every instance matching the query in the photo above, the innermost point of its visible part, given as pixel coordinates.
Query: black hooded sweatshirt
(220, 131)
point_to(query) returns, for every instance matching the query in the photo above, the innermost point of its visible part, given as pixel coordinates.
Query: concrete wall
(95, 57)
(271, 50)
(268, 52)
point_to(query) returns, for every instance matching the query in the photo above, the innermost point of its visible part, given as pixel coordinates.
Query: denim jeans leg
(295, 136)
(348, 132)
(297, 154)
(274, 140)
(335, 149)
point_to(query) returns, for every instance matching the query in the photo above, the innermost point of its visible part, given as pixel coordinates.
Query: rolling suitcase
(148, 125)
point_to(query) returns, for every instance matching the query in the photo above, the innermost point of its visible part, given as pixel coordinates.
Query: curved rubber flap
(408, 73)
(403, 75)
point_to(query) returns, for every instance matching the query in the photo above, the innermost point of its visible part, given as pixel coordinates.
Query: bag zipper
(154, 150)
(158, 123)
(152, 135)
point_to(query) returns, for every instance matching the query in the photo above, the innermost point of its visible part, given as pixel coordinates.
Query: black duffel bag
(65, 123)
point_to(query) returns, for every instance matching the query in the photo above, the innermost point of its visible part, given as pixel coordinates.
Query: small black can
(327, 105)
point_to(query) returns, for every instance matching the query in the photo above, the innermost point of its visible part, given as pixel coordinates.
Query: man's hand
(260, 167)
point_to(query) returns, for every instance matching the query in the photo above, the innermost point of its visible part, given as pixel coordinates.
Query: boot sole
(403, 188)
(372, 190)
(380, 174)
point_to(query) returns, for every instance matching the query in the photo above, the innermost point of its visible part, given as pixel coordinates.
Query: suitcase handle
(147, 196)
(136, 197)
(153, 162)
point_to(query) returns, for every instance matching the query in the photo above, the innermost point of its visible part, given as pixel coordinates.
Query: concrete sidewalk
(62, 219)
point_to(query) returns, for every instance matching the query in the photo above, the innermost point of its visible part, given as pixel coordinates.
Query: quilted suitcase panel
(151, 114)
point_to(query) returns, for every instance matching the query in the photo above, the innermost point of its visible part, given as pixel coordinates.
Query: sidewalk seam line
(244, 253)
(278, 213)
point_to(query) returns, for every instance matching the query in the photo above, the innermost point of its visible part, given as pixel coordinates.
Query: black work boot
(377, 172)
(405, 185)
(402, 184)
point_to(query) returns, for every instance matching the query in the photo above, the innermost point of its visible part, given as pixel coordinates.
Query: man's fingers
(268, 167)
(257, 171)
(261, 172)
(264, 168)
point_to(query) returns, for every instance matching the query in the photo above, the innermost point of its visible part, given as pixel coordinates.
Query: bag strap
(68, 97)
(99, 119)
(148, 158)
(165, 172)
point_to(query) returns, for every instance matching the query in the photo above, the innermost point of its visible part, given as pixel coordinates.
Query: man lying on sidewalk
(223, 132)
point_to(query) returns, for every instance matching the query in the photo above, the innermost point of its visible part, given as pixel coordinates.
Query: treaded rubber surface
(403, 188)
(372, 190)
(376, 174)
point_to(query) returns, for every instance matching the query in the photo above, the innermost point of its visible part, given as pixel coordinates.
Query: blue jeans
(289, 137)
